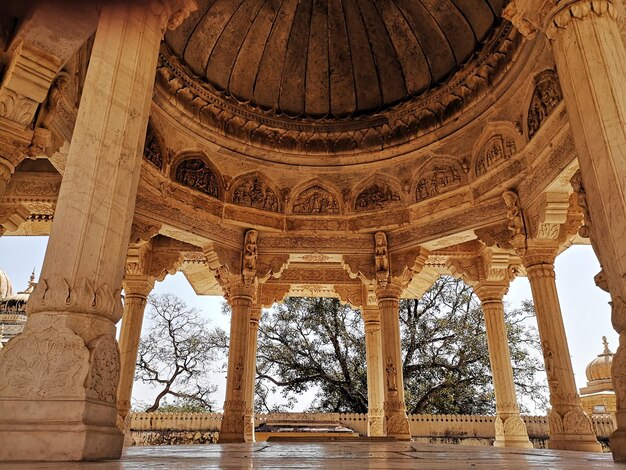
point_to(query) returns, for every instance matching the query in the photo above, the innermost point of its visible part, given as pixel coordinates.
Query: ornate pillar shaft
(68, 348)
(235, 405)
(250, 378)
(395, 409)
(136, 290)
(570, 427)
(375, 373)
(591, 60)
(510, 428)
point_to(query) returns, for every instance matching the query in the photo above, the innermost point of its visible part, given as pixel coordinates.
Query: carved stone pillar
(591, 61)
(68, 351)
(570, 427)
(395, 410)
(375, 373)
(510, 428)
(137, 287)
(250, 378)
(235, 405)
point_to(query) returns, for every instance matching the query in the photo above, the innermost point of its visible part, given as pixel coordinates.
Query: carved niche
(546, 96)
(253, 192)
(438, 178)
(375, 196)
(315, 200)
(196, 174)
(497, 149)
(152, 149)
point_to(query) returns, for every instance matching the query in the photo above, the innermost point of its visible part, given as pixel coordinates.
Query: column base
(58, 430)
(511, 432)
(617, 443)
(398, 426)
(513, 443)
(575, 442)
(59, 442)
(232, 429)
(376, 424)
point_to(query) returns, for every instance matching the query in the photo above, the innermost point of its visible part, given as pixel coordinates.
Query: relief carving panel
(376, 196)
(196, 174)
(253, 192)
(438, 179)
(315, 200)
(546, 97)
(496, 150)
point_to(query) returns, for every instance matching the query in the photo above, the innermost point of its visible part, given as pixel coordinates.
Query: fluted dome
(330, 58)
(6, 288)
(600, 368)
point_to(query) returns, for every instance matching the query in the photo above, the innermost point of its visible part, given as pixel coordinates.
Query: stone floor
(337, 455)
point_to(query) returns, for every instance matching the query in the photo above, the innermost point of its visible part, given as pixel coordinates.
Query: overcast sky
(586, 312)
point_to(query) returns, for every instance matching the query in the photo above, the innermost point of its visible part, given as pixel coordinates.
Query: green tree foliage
(176, 355)
(320, 344)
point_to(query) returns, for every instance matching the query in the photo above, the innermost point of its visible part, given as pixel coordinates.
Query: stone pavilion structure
(355, 149)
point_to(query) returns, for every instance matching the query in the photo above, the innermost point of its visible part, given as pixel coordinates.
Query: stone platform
(331, 455)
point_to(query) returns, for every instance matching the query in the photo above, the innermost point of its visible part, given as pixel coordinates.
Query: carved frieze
(196, 174)
(438, 179)
(546, 97)
(376, 196)
(496, 150)
(254, 192)
(152, 149)
(315, 200)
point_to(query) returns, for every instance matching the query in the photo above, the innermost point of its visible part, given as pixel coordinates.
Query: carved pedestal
(395, 410)
(375, 373)
(58, 379)
(570, 427)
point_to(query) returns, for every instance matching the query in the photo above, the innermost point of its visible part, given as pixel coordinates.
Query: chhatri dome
(6, 288)
(598, 397)
(13, 308)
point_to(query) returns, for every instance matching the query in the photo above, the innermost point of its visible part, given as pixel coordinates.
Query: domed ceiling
(330, 58)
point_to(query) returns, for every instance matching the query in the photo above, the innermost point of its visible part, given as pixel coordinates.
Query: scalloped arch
(254, 189)
(316, 197)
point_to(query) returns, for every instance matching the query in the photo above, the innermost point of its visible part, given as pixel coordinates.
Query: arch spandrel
(194, 170)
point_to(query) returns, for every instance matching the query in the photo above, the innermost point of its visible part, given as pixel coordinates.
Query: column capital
(490, 292)
(391, 292)
(172, 13)
(539, 254)
(137, 285)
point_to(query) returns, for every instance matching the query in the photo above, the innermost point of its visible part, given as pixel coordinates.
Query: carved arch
(376, 192)
(545, 97)
(195, 171)
(499, 142)
(438, 175)
(255, 190)
(153, 149)
(316, 197)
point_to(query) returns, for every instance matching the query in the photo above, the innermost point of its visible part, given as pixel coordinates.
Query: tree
(319, 343)
(176, 354)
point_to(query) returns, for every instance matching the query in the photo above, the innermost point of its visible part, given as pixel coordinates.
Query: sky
(586, 312)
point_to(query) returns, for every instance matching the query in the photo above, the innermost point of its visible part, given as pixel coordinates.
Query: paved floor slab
(337, 455)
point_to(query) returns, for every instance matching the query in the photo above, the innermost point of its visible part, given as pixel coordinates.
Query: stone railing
(422, 425)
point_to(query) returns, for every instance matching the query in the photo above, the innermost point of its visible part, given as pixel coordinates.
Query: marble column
(510, 428)
(58, 380)
(375, 373)
(136, 291)
(591, 60)
(250, 378)
(395, 409)
(235, 405)
(570, 427)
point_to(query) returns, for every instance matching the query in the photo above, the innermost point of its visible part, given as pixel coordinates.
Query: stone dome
(330, 58)
(600, 368)
(6, 288)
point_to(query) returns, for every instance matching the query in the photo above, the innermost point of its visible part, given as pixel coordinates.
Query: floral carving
(44, 364)
(515, 426)
(104, 368)
(315, 200)
(196, 174)
(255, 193)
(576, 421)
(436, 180)
(496, 150)
(376, 196)
(546, 98)
(152, 149)
(398, 424)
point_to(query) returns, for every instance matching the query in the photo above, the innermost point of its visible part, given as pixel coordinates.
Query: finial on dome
(32, 276)
(605, 343)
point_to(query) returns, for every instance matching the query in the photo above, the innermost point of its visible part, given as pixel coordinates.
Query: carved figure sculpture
(514, 213)
(392, 384)
(197, 175)
(250, 255)
(497, 149)
(255, 193)
(546, 97)
(315, 200)
(437, 180)
(577, 183)
(381, 257)
(152, 149)
(375, 196)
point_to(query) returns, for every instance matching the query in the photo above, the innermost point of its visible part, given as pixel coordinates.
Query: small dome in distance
(6, 288)
(600, 367)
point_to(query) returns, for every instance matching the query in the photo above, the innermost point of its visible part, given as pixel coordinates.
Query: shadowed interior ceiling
(330, 58)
